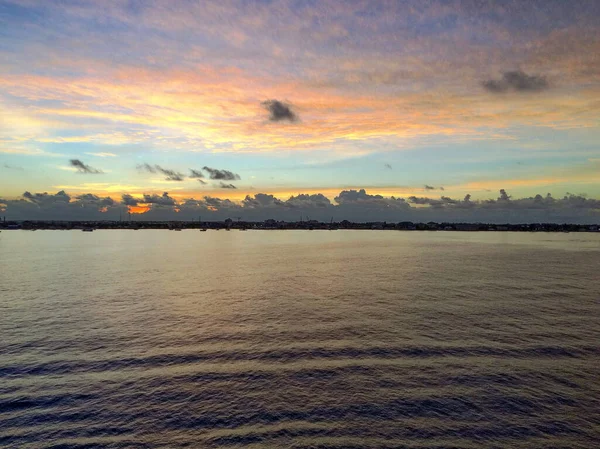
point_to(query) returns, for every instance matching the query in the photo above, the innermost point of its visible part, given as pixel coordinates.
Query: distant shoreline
(270, 225)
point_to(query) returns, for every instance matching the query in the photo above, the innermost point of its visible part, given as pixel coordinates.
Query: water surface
(370, 339)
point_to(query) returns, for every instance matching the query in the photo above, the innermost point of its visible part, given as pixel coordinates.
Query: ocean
(299, 339)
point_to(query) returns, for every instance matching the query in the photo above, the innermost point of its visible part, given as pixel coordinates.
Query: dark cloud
(262, 201)
(83, 168)
(388, 166)
(302, 201)
(222, 175)
(361, 198)
(354, 196)
(162, 200)
(226, 186)
(305, 201)
(91, 199)
(422, 201)
(198, 175)
(516, 81)
(61, 206)
(219, 204)
(443, 202)
(146, 167)
(448, 200)
(129, 200)
(279, 111)
(45, 198)
(354, 205)
(170, 175)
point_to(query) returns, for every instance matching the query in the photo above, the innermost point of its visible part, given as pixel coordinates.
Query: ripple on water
(381, 341)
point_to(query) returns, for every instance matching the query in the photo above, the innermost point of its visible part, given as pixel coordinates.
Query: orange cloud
(138, 209)
(220, 110)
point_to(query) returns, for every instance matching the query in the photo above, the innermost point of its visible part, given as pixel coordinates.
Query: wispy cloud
(29, 151)
(84, 168)
(13, 167)
(102, 154)
(170, 175)
(197, 175)
(224, 175)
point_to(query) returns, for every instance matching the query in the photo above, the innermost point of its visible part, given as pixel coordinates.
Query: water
(344, 339)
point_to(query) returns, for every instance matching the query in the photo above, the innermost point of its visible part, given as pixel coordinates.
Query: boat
(177, 229)
(203, 230)
(88, 229)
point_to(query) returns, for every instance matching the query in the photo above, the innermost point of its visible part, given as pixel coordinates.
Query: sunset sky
(421, 99)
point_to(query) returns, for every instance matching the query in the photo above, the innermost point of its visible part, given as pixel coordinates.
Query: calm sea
(298, 339)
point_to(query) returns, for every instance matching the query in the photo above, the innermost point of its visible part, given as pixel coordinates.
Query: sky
(362, 110)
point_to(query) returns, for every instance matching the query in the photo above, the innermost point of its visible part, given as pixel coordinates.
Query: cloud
(61, 206)
(360, 198)
(146, 167)
(162, 200)
(13, 167)
(129, 200)
(224, 175)
(83, 168)
(212, 96)
(428, 187)
(425, 201)
(198, 175)
(28, 151)
(219, 204)
(516, 81)
(45, 198)
(170, 175)
(353, 205)
(279, 111)
(305, 201)
(226, 186)
(91, 199)
(503, 195)
(262, 201)
(102, 154)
